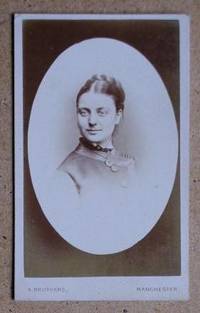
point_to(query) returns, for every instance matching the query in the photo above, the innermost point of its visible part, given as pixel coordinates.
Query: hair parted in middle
(106, 85)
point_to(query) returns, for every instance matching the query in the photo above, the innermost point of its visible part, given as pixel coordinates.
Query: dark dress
(103, 184)
(96, 169)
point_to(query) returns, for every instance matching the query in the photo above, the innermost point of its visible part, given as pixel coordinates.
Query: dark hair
(106, 85)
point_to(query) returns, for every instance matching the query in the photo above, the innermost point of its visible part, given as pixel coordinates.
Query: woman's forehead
(93, 99)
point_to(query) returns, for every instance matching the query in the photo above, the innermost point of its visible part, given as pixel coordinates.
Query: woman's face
(97, 116)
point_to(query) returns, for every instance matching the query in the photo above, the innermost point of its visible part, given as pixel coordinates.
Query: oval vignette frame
(148, 127)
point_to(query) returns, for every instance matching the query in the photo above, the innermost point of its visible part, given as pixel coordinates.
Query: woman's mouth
(93, 130)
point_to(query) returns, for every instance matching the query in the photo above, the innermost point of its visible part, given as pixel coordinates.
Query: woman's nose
(92, 120)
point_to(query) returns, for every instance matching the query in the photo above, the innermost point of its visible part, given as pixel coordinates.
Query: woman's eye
(101, 112)
(83, 112)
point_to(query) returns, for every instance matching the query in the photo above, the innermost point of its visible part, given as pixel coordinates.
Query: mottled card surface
(101, 157)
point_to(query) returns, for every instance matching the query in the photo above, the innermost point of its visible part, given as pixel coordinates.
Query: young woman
(96, 164)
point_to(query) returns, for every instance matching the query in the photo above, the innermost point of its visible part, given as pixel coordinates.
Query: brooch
(109, 163)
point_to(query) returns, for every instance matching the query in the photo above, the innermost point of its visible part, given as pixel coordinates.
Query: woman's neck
(106, 143)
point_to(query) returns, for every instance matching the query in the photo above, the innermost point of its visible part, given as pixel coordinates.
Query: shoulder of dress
(126, 156)
(70, 161)
(125, 159)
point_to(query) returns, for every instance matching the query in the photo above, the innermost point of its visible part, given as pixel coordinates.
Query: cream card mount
(101, 157)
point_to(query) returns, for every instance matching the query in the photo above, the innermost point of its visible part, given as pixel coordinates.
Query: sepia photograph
(101, 126)
(116, 144)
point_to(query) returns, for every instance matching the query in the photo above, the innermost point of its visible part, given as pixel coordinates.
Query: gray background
(6, 188)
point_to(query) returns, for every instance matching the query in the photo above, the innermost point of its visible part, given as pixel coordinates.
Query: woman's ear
(118, 117)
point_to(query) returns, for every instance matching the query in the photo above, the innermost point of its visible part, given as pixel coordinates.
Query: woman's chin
(94, 139)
